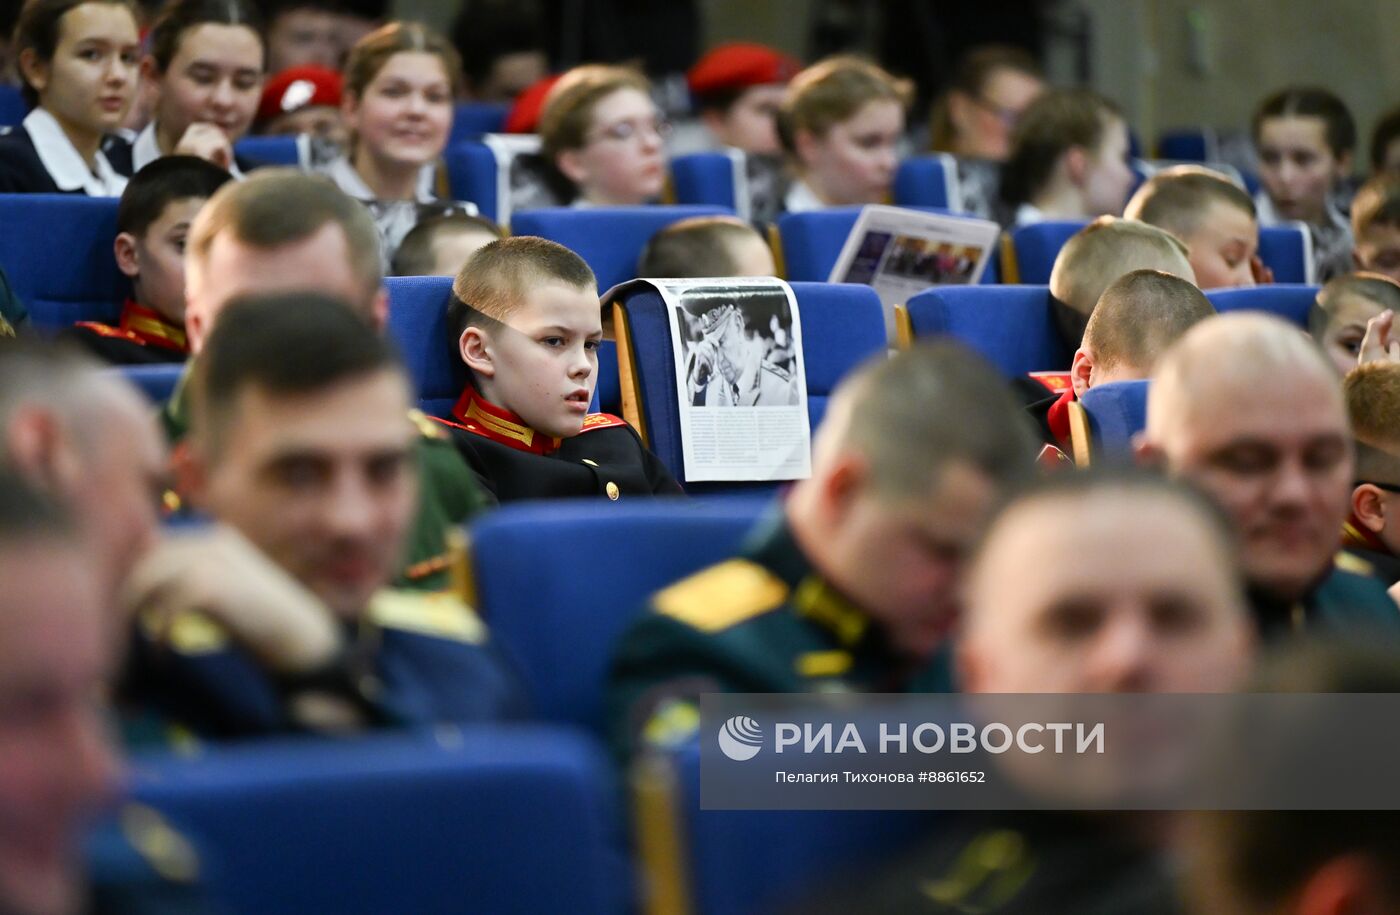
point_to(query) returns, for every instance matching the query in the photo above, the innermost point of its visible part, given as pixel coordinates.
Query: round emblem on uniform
(612, 491)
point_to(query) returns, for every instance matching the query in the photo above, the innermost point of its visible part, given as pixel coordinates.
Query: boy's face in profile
(1222, 247)
(542, 363)
(1378, 250)
(1342, 338)
(155, 260)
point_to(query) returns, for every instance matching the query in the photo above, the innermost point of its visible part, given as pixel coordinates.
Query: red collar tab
(1054, 382)
(479, 415)
(1058, 418)
(148, 327)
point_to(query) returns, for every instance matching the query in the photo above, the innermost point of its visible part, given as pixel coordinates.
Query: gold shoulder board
(441, 615)
(722, 595)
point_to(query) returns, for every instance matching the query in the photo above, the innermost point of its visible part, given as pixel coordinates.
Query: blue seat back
(745, 861)
(926, 181)
(1117, 411)
(1290, 301)
(472, 118)
(1038, 244)
(1013, 326)
(57, 251)
(270, 150)
(1185, 145)
(842, 325)
(157, 382)
(812, 241)
(560, 620)
(472, 175)
(520, 819)
(708, 179)
(13, 108)
(1287, 251)
(610, 239)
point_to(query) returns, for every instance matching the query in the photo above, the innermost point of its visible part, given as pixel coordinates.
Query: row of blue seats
(511, 820)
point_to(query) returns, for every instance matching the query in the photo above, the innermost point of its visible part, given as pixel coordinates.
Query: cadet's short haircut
(1310, 102)
(1372, 287)
(1141, 314)
(1377, 203)
(913, 414)
(161, 183)
(416, 255)
(1178, 198)
(699, 246)
(1373, 401)
(1056, 122)
(282, 206)
(831, 91)
(1106, 249)
(497, 278)
(287, 344)
(567, 114)
(1386, 132)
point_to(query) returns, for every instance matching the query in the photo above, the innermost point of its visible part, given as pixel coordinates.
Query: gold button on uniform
(612, 491)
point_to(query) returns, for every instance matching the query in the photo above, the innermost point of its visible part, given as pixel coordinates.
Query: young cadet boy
(1136, 319)
(707, 246)
(527, 323)
(302, 449)
(1338, 319)
(1211, 215)
(1373, 530)
(1375, 224)
(153, 221)
(852, 583)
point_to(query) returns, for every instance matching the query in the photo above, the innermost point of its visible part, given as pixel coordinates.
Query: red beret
(524, 116)
(739, 66)
(296, 88)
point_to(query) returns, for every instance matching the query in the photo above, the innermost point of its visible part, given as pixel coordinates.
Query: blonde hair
(1140, 315)
(372, 52)
(832, 91)
(567, 114)
(1106, 249)
(495, 280)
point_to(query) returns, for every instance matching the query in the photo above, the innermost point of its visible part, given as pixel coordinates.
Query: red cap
(296, 88)
(524, 116)
(739, 66)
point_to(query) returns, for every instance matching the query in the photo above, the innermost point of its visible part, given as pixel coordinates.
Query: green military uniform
(1348, 602)
(765, 622)
(448, 495)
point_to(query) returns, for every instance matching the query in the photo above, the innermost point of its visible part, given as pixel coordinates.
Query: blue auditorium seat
(157, 382)
(812, 241)
(280, 150)
(418, 324)
(13, 108)
(610, 239)
(710, 179)
(1116, 412)
(926, 181)
(486, 819)
(1287, 251)
(1013, 326)
(1035, 248)
(1186, 145)
(739, 862)
(1290, 301)
(472, 175)
(472, 118)
(842, 325)
(57, 251)
(559, 620)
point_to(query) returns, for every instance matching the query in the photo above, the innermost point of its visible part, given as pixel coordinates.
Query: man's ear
(848, 476)
(1076, 164)
(41, 451)
(124, 247)
(475, 348)
(1080, 371)
(570, 162)
(1368, 505)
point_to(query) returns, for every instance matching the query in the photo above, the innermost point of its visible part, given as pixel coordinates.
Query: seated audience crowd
(274, 539)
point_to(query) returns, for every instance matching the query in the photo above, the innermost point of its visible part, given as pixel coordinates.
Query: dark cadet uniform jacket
(448, 495)
(514, 462)
(1347, 603)
(140, 337)
(763, 622)
(414, 660)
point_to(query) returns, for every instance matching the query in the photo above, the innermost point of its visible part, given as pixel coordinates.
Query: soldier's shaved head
(1249, 409)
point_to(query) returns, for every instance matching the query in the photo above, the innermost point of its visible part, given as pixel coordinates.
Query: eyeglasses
(1388, 487)
(623, 131)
